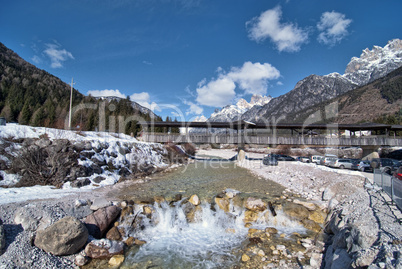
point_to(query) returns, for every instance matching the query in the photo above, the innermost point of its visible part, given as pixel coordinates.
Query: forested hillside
(32, 96)
(379, 101)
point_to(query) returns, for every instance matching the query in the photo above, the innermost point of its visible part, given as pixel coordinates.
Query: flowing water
(205, 179)
(214, 238)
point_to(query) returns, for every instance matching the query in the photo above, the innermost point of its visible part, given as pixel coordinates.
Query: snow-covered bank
(103, 159)
(16, 131)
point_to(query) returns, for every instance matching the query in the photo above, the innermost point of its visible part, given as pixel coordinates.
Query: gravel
(351, 193)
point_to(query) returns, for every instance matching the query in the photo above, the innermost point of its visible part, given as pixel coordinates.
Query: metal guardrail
(391, 185)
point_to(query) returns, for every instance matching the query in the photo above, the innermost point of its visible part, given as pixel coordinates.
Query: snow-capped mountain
(314, 89)
(375, 63)
(234, 112)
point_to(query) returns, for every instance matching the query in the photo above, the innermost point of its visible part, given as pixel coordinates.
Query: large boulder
(65, 237)
(99, 221)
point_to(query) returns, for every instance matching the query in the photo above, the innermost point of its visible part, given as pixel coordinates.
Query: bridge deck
(272, 140)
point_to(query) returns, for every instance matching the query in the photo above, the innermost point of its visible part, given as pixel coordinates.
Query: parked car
(396, 165)
(363, 166)
(398, 173)
(270, 160)
(327, 160)
(283, 157)
(383, 164)
(303, 159)
(316, 159)
(342, 163)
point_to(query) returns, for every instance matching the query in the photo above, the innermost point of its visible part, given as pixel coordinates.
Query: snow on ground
(109, 147)
(17, 131)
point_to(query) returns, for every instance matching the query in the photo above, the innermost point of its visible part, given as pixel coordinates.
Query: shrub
(49, 165)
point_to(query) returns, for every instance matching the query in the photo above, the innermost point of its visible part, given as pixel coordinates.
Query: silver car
(342, 163)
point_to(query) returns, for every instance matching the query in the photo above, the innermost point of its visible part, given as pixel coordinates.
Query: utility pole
(71, 104)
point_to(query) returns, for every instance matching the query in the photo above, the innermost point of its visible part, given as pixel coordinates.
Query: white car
(316, 159)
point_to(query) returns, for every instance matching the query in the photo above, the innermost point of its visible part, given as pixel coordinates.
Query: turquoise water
(206, 179)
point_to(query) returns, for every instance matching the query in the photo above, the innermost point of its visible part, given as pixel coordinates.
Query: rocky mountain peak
(375, 63)
(234, 112)
(259, 100)
(243, 104)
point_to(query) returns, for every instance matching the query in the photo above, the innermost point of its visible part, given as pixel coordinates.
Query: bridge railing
(240, 138)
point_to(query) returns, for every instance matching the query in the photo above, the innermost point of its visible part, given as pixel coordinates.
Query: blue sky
(186, 58)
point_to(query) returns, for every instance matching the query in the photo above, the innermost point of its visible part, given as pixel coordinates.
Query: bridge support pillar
(370, 152)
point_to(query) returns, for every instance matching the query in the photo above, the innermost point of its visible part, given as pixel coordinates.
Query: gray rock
(98, 179)
(78, 212)
(80, 183)
(327, 194)
(65, 237)
(364, 258)
(101, 202)
(29, 217)
(337, 258)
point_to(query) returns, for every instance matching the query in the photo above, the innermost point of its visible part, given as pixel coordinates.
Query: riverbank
(363, 228)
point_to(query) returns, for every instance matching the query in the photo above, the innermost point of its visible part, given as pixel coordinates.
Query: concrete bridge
(273, 140)
(243, 132)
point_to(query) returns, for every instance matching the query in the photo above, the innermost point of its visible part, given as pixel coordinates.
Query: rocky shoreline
(360, 230)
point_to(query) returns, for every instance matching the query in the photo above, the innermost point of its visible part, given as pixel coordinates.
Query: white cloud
(57, 56)
(216, 93)
(286, 36)
(193, 109)
(143, 99)
(140, 97)
(333, 26)
(106, 93)
(251, 77)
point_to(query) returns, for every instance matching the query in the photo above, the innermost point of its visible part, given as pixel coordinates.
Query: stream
(214, 238)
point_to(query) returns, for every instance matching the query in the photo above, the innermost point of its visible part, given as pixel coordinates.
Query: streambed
(215, 238)
(203, 178)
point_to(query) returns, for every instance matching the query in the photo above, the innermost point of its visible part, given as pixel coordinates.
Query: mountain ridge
(379, 101)
(314, 89)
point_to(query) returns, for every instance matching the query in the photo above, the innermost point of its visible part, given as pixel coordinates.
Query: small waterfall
(181, 235)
